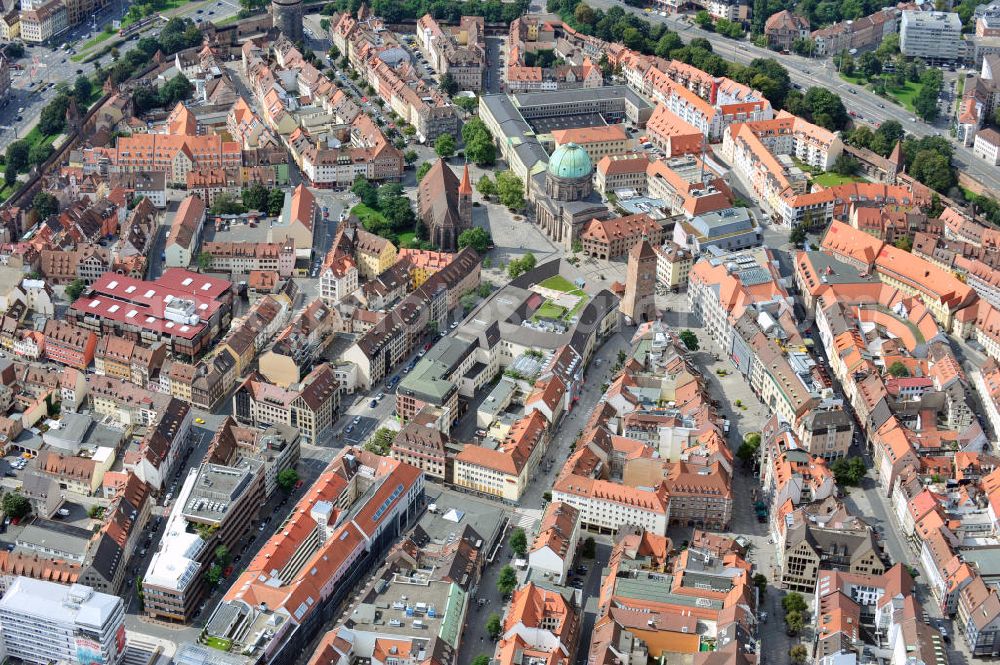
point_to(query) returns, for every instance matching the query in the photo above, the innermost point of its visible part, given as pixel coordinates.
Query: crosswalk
(525, 518)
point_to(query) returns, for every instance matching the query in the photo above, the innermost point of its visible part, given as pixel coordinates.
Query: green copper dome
(570, 161)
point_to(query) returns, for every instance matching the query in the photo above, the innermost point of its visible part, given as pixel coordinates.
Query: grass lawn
(365, 213)
(559, 283)
(35, 137)
(549, 310)
(905, 95)
(831, 179)
(856, 80)
(218, 643)
(101, 36)
(226, 21)
(405, 239)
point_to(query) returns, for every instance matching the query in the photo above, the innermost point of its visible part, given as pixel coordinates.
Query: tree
(9, 175)
(848, 471)
(479, 147)
(52, 120)
(690, 340)
(449, 85)
(904, 243)
(584, 15)
(760, 581)
(204, 261)
(444, 146)
(82, 88)
(486, 187)
(510, 190)
(898, 369)
(825, 109)
(39, 153)
(704, 20)
(506, 581)
(804, 46)
(226, 204)
(15, 505)
(45, 205)
(287, 479)
(75, 289)
(410, 156)
(493, 627)
(794, 602)
(477, 238)
(275, 202)
(222, 555)
(381, 441)
(518, 267)
(589, 548)
(324, 25)
(870, 65)
(214, 575)
(748, 450)
(518, 541)
(794, 622)
(18, 154)
(933, 169)
(255, 197)
(799, 654)
(798, 234)
(422, 170)
(365, 191)
(845, 165)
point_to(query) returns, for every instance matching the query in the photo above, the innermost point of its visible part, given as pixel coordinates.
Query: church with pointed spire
(444, 204)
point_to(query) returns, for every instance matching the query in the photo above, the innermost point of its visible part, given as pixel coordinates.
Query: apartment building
(310, 405)
(809, 548)
(122, 358)
(783, 28)
(612, 238)
(504, 471)
(41, 621)
(185, 233)
(69, 345)
(421, 443)
(242, 258)
(459, 51)
(214, 507)
(934, 36)
(337, 533)
(672, 135)
(538, 620)
(44, 22)
(615, 172)
(554, 547)
(861, 34)
(389, 341)
(175, 155)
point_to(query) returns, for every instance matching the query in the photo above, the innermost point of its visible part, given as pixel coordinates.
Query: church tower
(640, 284)
(465, 199)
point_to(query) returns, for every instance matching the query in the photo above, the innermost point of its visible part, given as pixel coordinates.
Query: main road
(809, 72)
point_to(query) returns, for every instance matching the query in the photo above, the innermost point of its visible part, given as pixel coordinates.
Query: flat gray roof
(579, 95)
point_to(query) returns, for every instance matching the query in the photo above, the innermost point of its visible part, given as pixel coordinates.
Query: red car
(298, 484)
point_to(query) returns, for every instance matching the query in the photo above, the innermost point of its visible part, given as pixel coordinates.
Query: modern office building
(45, 622)
(933, 36)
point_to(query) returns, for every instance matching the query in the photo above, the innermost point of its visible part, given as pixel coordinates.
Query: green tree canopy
(690, 340)
(486, 187)
(510, 190)
(493, 626)
(287, 479)
(15, 505)
(477, 238)
(226, 204)
(444, 146)
(519, 541)
(45, 204)
(506, 580)
(75, 289)
(381, 441)
(848, 471)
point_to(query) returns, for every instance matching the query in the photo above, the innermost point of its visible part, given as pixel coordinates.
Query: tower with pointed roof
(639, 305)
(465, 198)
(897, 159)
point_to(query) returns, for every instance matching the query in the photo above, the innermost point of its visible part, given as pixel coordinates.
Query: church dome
(570, 161)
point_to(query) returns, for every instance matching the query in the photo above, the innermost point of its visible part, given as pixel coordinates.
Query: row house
(241, 258)
(68, 344)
